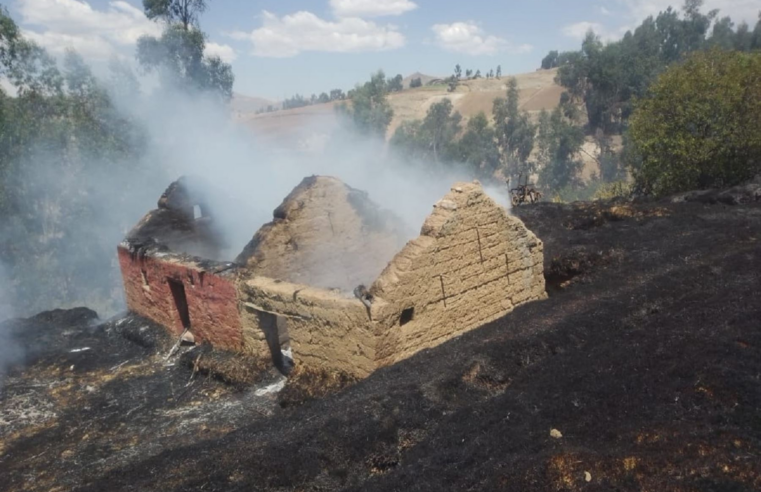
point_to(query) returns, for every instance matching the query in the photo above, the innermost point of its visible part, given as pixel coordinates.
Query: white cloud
(580, 29)
(95, 34)
(61, 24)
(371, 8)
(286, 36)
(469, 39)
(56, 43)
(223, 51)
(605, 11)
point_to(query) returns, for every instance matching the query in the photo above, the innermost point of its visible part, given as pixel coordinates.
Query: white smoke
(10, 351)
(193, 135)
(6, 306)
(198, 137)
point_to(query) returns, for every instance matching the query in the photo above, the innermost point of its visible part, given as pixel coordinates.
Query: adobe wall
(325, 234)
(212, 298)
(327, 329)
(473, 263)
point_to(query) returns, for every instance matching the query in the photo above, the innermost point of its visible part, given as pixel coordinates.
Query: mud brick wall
(472, 264)
(327, 329)
(211, 299)
(325, 234)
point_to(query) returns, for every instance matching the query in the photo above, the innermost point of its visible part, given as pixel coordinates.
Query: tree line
(617, 85)
(488, 151)
(454, 80)
(607, 78)
(62, 135)
(394, 84)
(637, 87)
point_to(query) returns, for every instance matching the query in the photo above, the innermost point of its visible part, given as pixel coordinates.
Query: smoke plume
(192, 135)
(10, 352)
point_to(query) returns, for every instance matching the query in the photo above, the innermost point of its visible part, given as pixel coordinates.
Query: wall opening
(407, 316)
(197, 212)
(144, 276)
(275, 330)
(180, 301)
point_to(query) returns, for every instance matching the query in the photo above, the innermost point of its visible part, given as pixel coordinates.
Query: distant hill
(425, 79)
(538, 91)
(243, 104)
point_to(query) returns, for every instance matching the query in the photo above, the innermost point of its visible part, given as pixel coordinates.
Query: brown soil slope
(646, 358)
(537, 91)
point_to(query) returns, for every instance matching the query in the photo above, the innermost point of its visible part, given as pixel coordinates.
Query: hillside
(424, 79)
(246, 105)
(645, 359)
(537, 91)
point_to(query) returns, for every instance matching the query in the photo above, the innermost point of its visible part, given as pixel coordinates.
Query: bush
(616, 189)
(700, 125)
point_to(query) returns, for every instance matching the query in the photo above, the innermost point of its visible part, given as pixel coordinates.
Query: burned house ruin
(332, 276)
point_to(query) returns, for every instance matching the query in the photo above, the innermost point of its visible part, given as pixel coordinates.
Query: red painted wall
(212, 299)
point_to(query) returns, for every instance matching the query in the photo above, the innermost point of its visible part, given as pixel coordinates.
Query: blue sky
(282, 47)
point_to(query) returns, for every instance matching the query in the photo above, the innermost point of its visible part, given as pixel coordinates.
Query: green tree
(337, 95)
(184, 12)
(61, 138)
(441, 125)
(499, 71)
(550, 61)
(27, 67)
(607, 78)
(700, 124)
(369, 111)
(478, 148)
(452, 84)
(417, 82)
(178, 55)
(514, 133)
(458, 71)
(395, 84)
(559, 141)
(756, 37)
(743, 38)
(297, 101)
(723, 34)
(433, 138)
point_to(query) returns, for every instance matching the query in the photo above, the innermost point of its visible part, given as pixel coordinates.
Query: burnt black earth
(642, 371)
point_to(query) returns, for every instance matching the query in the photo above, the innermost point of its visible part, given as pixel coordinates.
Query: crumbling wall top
(182, 222)
(325, 234)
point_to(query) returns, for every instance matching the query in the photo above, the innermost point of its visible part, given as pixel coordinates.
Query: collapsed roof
(183, 222)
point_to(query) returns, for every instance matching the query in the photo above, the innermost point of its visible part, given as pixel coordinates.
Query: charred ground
(646, 357)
